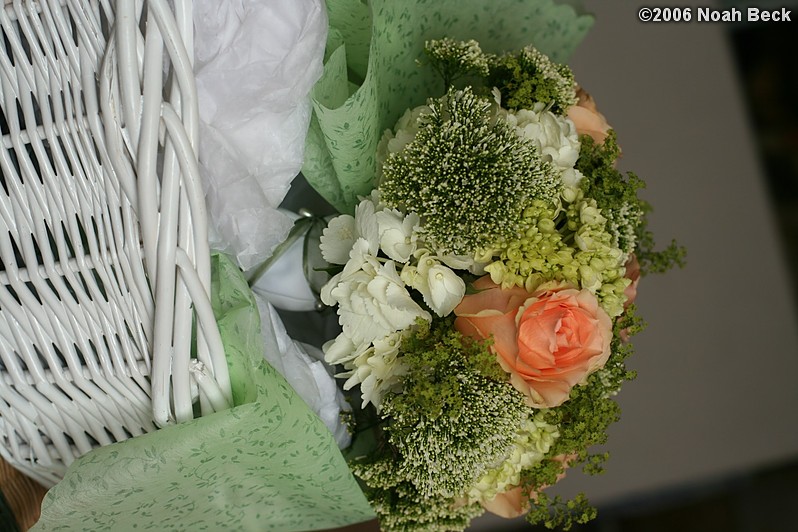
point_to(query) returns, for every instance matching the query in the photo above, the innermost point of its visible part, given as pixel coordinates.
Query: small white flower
(337, 239)
(366, 224)
(378, 370)
(497, 95)
(359, 370)
(441, 288)
(326, 290)
(589, 214)
(589, 279)
(343, 231)
(571, 177)
(360, 258)
(342, 350)
(584, 240)
(456, 262)
(393, 300)
(398, 234)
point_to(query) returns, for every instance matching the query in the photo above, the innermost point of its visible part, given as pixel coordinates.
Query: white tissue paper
(302, 366)
(255, 63)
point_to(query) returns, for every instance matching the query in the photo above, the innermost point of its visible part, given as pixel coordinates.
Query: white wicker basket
(106, 328)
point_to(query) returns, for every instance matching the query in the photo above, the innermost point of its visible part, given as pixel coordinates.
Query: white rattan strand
(105, 268)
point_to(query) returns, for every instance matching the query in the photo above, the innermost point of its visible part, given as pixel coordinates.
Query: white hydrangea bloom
(366, 224)
(589, 278)
(590, 214)
(343, 350)
(457, 262)
(570, 191)
(376, 199)
(554, 135)
(571, 177)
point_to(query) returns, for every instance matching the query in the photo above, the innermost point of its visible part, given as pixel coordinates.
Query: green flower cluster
(539, 255)
(616, 196)
(467, 175)
(532, 442)
(528, 77)
(554, 512)
(456, 418)
(442, 455)
(582, 422)
(570, 244)
(451, 422)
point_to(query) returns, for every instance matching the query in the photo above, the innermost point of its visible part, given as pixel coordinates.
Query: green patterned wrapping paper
(267, 464)
(371, 75)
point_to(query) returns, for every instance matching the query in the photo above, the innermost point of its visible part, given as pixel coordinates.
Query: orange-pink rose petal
(548, 341)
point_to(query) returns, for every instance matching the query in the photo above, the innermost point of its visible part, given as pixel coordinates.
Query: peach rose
(587, 119)
(548, 341)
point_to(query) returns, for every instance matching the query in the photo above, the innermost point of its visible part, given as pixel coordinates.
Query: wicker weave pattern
(105, 263)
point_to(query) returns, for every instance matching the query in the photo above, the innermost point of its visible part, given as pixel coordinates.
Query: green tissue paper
(371, 75)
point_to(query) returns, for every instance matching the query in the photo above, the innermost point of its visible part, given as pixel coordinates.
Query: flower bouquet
(484, 283)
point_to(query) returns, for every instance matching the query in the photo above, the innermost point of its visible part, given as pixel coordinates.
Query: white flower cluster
(555, 137)
(384, 258)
